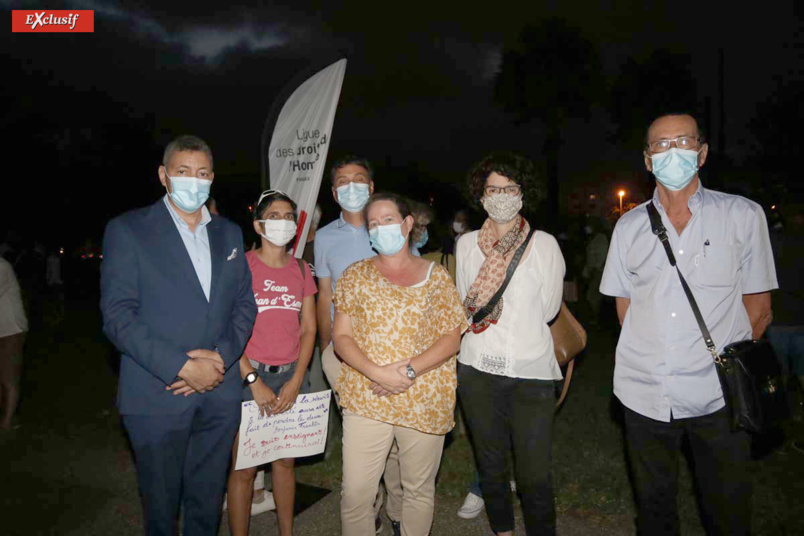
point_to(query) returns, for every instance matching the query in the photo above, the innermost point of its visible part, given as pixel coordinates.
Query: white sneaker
(265, 505)
(472, 506)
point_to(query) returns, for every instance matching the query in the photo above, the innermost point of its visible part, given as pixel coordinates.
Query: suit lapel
(172, 253)
(217, 252)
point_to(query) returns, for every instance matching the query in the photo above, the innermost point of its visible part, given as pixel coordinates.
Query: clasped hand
(391, 379)
(201, 373)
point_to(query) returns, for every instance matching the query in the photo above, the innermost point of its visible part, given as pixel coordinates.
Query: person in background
(13, 328)
(786, 334)
(597, 246)
(664, 375)
(398, 323)
(274, 364)
(177, 302)
(338, 245)
(507, 367)
(212, 206)
(460, 224)
(422, 216)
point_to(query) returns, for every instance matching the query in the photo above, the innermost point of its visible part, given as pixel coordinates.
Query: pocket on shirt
(718, 267)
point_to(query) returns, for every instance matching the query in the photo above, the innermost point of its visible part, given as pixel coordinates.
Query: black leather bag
(749, 372)
(751, 381)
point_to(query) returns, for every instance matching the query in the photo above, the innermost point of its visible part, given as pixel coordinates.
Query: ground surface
(68, 470)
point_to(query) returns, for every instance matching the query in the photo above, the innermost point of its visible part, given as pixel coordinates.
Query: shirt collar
(693, 202)
(205, 216)
(342, 223)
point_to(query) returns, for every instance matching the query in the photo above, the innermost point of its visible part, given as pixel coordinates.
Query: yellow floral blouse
(391, 323)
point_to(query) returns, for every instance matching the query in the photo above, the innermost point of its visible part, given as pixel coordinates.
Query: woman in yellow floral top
(398, 325)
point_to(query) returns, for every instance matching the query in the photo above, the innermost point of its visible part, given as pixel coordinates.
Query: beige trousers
(331, 364)
(366, 444)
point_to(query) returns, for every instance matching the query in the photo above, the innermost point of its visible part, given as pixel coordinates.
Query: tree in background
(550, 74)
(642, 90)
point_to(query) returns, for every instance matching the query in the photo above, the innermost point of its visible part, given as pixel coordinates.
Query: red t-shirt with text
(279, 293)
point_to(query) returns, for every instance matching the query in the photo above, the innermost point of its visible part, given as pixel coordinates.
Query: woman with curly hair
(507, 366)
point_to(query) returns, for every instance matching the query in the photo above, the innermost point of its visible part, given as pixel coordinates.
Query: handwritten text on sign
(300, 431)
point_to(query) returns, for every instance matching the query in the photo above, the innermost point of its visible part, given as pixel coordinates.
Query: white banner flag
(300, 431)
(297, 153)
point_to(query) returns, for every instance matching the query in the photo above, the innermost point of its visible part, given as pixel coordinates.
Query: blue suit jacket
(155, 311)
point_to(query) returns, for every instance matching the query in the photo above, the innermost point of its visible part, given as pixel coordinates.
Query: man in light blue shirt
(664, 375)
(196, 241)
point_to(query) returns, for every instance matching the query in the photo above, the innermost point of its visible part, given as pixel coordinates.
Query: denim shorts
(275, 381)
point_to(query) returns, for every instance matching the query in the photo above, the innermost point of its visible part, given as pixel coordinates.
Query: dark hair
(186, 143)
(511, 165)
(261, 205)
(347, 160)
(701, 135)
(399, 201)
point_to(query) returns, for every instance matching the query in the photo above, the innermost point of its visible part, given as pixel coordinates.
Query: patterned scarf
(492, 273)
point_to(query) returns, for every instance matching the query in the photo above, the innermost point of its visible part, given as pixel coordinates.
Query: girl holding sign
(275, 361)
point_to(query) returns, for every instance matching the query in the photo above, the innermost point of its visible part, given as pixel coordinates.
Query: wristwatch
(251, 377)
(410, 372)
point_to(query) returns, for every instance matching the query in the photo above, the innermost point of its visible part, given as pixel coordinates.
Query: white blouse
(519, 345)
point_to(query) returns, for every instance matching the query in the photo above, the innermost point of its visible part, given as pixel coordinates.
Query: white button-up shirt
(520, 344)
(197, 244)
(663, 367)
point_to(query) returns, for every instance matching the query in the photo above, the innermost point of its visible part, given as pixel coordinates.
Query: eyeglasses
(682, 142)
(511, 190)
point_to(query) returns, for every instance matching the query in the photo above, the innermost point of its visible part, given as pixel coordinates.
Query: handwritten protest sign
(300, 431)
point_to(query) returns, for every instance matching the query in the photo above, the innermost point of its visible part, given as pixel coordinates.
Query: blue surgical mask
(419, 244)
(353, 197)
(387, 239)
(675, 168)
(189, 193)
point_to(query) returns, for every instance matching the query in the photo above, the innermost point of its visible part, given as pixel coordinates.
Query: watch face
(411, 373)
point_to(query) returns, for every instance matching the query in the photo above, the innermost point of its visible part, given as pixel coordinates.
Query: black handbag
(749, 372)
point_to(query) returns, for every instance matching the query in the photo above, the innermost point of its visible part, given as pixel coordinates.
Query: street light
(621, 193)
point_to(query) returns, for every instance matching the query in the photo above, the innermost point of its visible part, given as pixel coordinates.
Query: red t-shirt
(279, 293)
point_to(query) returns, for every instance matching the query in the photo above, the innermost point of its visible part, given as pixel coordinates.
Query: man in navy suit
(177, 302)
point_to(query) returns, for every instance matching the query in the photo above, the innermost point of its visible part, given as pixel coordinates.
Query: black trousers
(504, 413)
(720, 464)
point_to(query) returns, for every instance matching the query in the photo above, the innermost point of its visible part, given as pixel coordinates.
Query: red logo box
(52, 21)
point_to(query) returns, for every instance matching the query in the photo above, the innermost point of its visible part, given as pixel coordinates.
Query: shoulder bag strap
(660, 231)
(489, 307)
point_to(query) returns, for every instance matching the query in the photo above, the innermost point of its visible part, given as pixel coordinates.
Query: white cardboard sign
(301, 431)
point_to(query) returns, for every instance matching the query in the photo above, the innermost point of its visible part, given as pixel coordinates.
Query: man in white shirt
(664, 375)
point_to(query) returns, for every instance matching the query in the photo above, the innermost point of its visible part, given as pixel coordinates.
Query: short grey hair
(186, 142)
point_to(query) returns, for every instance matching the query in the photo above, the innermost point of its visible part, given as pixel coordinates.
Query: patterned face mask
(502, 208)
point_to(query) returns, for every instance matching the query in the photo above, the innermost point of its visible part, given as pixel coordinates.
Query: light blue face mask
(387, 239)
(675, 168)
(419, 244)
(353, 197)
(189, 193)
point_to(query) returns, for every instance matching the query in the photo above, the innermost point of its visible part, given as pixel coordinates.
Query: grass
(70, 460)
(589, 465)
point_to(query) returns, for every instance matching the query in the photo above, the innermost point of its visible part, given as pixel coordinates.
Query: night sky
(87, 115)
